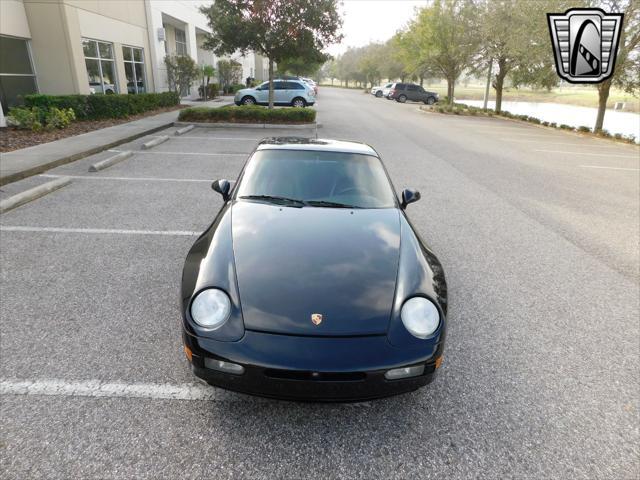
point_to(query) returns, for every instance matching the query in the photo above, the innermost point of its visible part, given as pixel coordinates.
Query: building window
(134, 69)
(181, 42)
(101, 67)
(16, 73)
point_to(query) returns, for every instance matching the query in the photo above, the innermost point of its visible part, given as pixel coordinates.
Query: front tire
(430, 101)
(298, 102)
(402, 98)
(379, 94)
(248, 100)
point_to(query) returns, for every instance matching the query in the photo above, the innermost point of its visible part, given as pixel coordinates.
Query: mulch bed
(14, 139)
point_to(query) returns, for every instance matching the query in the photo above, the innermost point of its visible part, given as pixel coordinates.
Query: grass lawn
(582, 96)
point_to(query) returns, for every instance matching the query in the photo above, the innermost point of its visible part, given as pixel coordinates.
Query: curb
(14, 177)
(296, 126)
(154, 142)
(33, 193)
(110, 161)
(182, 131)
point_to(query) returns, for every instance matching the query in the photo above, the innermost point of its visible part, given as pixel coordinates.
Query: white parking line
(154, 152)
(152, 391)
(95, 388)
(590, 154)
(179, 233)
(200, 137)
(570, 144)
(132, 179)
(611, 168)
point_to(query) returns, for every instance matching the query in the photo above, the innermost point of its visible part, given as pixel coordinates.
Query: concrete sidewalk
(39, 158)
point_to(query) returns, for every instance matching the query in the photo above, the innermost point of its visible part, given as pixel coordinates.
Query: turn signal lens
(404, 372)
(226, 367)
(187, 352)
(439, 361)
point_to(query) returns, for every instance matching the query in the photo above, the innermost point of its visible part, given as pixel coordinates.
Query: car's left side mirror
(409, 196)
(223, 187)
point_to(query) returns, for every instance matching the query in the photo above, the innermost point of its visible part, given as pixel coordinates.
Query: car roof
(315, 144)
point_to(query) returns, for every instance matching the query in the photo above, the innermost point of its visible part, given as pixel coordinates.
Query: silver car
(295, 93)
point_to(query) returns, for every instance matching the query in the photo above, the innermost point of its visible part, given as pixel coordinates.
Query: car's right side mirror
(409, 196)
(223, 187)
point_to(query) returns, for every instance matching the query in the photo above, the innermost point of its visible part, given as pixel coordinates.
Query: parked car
(311, 282)
(378, 91)
(312, 83)
(386, 90)
(295, 93)
(402, 92)
(106, 88)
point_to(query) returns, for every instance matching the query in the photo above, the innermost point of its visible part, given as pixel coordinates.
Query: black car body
(402, 92)
(315, 288)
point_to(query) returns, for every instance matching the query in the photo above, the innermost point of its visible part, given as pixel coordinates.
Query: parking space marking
(570, 144)
(151, 391)
(16, 228)
(130, 179)
(95, 388)
(189, 153)
(590, 154)
(611, 168)
(200, 137)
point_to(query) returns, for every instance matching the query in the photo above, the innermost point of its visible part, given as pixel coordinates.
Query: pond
(625, 123)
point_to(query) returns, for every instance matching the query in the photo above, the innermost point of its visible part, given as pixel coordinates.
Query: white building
(178, 27)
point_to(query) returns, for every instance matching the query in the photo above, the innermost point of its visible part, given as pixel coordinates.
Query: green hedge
(92, 107)
(248, 114)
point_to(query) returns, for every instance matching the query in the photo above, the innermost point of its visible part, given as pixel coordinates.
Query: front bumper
(312, 368)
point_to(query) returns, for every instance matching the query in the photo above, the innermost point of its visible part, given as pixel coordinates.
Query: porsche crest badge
(316, 318)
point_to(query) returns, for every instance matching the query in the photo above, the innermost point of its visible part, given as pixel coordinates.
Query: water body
(626, 123)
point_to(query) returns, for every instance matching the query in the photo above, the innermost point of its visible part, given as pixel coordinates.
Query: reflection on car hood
(292, 263)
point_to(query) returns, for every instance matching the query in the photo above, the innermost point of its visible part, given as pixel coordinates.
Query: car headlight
(420, 316)
(211, 308)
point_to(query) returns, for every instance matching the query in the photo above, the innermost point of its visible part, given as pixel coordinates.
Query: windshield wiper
(276, 199)
(325, 203)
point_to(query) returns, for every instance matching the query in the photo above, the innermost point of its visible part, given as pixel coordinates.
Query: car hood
(292, 263)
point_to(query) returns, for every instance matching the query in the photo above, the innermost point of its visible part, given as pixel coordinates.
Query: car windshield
(316, 179)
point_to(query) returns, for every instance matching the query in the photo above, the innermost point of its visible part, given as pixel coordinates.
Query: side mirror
(223, 187)
(409, 196)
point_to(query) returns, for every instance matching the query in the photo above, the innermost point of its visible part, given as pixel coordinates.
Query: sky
(372, 20)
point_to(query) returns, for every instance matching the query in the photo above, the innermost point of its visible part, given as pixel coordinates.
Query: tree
(182, 70)
(277, 29)
(625, 75)
(229, 72)
(446, 34)
(303, 66)
(522, 52)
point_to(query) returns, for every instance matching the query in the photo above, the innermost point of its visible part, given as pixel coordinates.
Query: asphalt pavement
(538, 233)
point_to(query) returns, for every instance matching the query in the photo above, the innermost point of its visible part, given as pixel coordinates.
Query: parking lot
(537, 231)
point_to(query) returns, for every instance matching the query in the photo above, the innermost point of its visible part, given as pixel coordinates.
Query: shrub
(59, 118)
(25, 118)
(535, 120)
(618, 136)
(212, 90)
(231, 89)
(248, 114)
(553, 124)
(564, 126)
(546, 124)
(584, 129)
(89, 107)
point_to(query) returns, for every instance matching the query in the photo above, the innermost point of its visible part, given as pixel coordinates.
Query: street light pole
(486, 89)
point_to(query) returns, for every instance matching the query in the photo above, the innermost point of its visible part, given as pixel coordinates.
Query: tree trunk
(603, 96)
(271, 83)
(450, 89)
(422, 80)
(499, 86)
